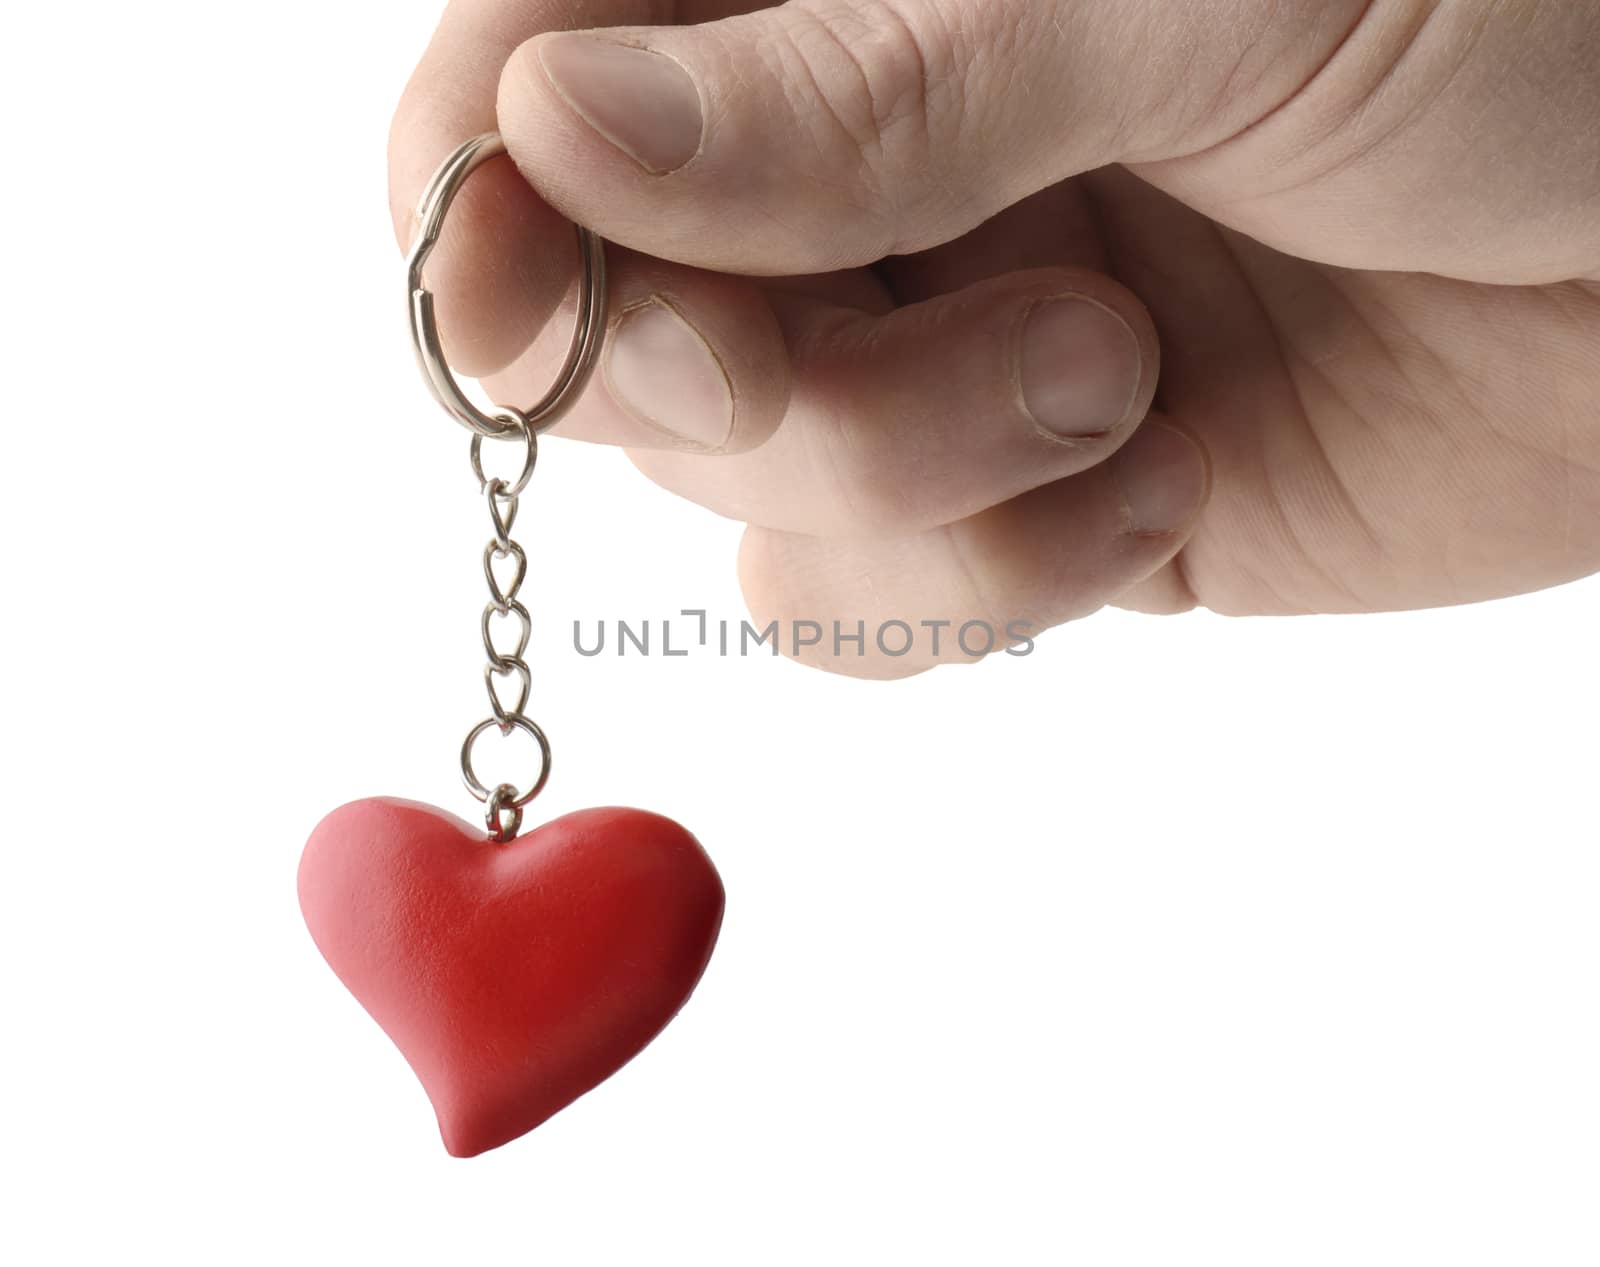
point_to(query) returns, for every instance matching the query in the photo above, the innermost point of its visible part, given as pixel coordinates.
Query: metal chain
(506, 669)
(504, 802)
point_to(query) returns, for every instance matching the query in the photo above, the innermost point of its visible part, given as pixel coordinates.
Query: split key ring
(587, 336)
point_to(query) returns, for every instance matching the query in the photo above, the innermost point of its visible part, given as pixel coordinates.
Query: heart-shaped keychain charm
(514, 974)
(513, 977)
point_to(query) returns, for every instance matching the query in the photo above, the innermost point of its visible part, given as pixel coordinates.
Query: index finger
(505, 258)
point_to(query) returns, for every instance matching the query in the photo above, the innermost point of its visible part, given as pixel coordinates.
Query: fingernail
(1163, 476)
(644, 103)
(662, 372)
(1080, 367)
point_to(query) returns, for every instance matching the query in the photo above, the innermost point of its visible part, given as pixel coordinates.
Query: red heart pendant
(512, 977)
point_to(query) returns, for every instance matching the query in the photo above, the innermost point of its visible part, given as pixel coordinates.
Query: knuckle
(866, 489)
(870, 80)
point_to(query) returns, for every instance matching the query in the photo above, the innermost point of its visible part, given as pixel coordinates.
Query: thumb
(823, 134)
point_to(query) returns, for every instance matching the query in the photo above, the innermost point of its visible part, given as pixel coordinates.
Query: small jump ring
(471, 778)
(530, 458)
(587, 334)
(504, 818)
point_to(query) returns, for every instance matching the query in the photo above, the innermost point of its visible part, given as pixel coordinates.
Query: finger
(505, 258)
(692, 361)
(699, 363)
(1056, 227)
(979, 586)
(937, 410)
(821, 134)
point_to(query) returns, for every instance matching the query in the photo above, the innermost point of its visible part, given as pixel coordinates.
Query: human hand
(1367, 232)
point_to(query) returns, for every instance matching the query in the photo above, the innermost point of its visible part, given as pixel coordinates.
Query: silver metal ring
(587, 334)
(530, 459)
(518, 723)
(503, 829)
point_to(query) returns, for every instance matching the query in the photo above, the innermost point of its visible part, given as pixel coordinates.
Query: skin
(1356, 244)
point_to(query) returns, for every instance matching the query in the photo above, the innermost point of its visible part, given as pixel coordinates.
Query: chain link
(505, 668)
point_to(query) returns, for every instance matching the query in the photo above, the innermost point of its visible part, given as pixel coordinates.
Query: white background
(1182, 941)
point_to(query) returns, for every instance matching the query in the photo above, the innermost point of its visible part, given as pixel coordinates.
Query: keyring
(587, 335)
(515, 973)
